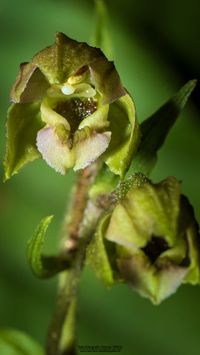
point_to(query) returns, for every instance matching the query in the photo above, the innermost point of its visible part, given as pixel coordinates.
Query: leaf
(97, 256)
(155, 129)
(14, 342)
(101, 37)
(43, 266)
(22, 127)
(125, 135)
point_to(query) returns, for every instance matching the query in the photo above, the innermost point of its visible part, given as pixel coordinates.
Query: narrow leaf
(43, 266)
(155, 129)
(14, 342)
(101, 37)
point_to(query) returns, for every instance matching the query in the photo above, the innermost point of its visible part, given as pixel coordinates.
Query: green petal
(146, 211)
(30, 84)
(14, 342)
(125, 135)
(97, 256)
(64, 58)
(50, 116)
(97, 120)
(22, 127)
(155, 209)
(106, 80)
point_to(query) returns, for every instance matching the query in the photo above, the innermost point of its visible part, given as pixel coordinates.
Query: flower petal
(125, 135)
(150, 283)
(90, 149)
(54, 150)
(106, 80)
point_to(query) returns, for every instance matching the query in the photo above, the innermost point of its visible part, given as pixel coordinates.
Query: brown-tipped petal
(150, 282)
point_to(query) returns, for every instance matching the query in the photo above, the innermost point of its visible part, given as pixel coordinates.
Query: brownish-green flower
(154, 239)
(70, 107)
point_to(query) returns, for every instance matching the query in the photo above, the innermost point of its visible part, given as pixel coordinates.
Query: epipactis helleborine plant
(70, 108)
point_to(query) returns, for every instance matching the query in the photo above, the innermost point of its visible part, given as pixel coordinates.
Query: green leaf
(101, 38)
(125, 135)
(44, 266)
(22, 127)
(14, 342)
(155, 129)
(97, 256)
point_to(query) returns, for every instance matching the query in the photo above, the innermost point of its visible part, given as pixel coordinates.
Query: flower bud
(83, 112)
(155, 239)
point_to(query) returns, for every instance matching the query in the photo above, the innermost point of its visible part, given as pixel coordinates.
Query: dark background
(157, 49)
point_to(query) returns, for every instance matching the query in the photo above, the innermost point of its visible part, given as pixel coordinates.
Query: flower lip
(155, 247)
(75, 110)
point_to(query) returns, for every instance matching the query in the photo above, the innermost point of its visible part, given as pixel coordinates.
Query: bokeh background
(157, 49)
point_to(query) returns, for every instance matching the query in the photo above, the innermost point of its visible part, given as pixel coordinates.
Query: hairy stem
(77, 232)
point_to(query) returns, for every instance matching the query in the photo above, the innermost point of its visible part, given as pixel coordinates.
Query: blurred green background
(157, 49)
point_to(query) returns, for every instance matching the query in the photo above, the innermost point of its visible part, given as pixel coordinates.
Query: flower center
(155, 247)
(75, 110)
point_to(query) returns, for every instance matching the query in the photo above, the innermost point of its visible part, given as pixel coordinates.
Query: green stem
(76, 236)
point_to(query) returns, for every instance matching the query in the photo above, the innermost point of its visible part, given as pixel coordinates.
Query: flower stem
(77, 232)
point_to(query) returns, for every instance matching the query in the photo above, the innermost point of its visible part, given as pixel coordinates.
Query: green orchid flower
(70, 108)
(155, 239)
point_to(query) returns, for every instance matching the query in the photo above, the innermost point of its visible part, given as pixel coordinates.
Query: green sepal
(101, 37)
(22, 127)
(146, 211)
(97, 255)
(30, 84)
(155, 129)
(55, 64)
(14, 342)
(44, 266)
(132, 182)
(64, 58)
(125, 135)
